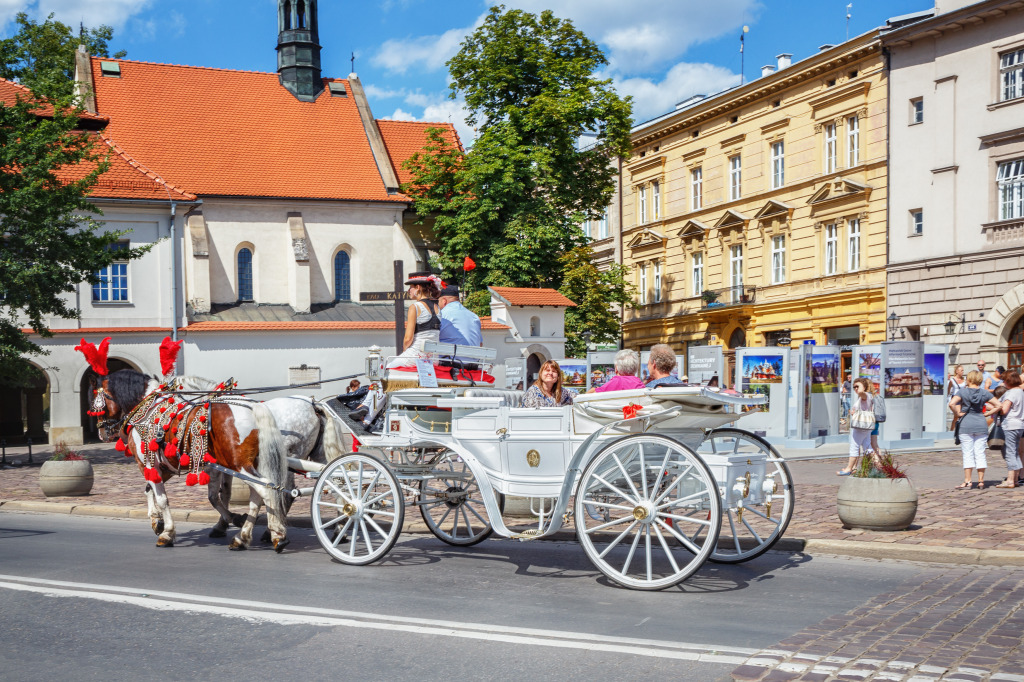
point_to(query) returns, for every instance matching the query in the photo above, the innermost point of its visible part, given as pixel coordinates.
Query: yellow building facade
(758, 216)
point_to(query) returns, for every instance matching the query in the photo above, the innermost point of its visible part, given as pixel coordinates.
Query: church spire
(298, 48)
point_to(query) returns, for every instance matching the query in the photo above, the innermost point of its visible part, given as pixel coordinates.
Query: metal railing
(718, 298)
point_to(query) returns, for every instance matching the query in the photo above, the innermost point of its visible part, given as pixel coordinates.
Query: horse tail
(273, 454)
(334, 437)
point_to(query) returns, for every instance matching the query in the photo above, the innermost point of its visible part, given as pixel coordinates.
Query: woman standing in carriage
(422, 322)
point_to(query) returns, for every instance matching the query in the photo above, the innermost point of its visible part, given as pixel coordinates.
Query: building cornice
(950, 22)
(929, 263)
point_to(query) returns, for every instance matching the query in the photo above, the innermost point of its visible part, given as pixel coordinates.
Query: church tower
(298, 48)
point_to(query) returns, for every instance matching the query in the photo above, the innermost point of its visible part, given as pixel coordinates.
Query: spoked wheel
(640, 504)
(357, 509)
(451, 505)
(750, 530)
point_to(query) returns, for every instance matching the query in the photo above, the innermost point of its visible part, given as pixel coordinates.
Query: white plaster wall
(957, 74)
(370, 232)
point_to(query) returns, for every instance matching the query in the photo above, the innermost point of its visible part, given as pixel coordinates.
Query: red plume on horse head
(169, 354)
(96, 357)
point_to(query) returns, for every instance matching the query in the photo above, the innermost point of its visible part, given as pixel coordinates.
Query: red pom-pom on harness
(209, 458)
(153, 445)
(204, 478)
(120, 446)
(202, 418)
(151, 474)
(191, 480)
(170, 451)
(184, 461)
(202, 432)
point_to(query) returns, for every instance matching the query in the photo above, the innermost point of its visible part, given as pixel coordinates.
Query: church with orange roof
(273, 202)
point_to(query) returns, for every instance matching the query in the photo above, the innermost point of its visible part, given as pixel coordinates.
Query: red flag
(468, 264)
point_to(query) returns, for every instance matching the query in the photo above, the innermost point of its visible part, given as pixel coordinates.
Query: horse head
(116, 397)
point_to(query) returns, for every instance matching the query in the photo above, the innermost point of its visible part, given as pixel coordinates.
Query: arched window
(287, 16)
(342, 277)
(302, 14)
(1015, 347)
(244, 275)
(534, 326)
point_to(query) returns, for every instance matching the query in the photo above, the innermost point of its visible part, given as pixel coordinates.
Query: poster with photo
(574, 373)
(871, 369)
(903, 382)
(933, 381)
(758, 390)
(762, 369)
(601, 366)
(515, 373)
(824, 372)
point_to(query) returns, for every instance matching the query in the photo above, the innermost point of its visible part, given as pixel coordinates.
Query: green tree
(49, 240)
(515, 201)
(42, 56)
(598, 296)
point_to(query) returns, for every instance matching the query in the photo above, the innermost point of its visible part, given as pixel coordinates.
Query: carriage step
(531, 534)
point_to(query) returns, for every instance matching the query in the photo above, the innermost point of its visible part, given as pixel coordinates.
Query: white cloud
(425, 53)
(638, 40)
(92, 13)
(377, 92)
(683, 80)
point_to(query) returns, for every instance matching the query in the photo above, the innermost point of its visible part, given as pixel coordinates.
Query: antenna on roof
(353, 69)
(848, 8)
(746, 29)
(81, 31)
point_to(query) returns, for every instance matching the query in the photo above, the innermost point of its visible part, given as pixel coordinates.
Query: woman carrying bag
(1012, 411)
(969, 408)
(862, 422)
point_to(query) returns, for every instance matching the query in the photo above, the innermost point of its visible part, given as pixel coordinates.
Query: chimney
(767, 70)
(785, 59)
(84, 86)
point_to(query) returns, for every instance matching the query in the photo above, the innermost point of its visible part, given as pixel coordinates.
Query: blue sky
(659, 51)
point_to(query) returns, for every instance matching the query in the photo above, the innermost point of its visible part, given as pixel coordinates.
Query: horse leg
(166, 538)
(243, 538)
(219, 483)
(155, 519)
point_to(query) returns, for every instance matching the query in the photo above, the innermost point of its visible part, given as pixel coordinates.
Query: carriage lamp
(894, 324)
(951, 323)
(373, 363)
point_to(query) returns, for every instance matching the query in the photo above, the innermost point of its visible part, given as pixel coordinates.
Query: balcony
(730, 296)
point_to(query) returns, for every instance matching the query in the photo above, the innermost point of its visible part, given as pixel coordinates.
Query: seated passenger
(627, 363)
(660, 364)
(547, 391)
(422, 323)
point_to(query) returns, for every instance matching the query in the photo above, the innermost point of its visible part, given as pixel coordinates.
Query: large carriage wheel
(639, 504)
(451, 505)
(753, 532)
(357, 509)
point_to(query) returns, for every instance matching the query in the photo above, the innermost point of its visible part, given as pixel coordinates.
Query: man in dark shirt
(660, 363)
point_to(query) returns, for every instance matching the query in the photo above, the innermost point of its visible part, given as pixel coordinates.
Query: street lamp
(951, 324)
(894, 324)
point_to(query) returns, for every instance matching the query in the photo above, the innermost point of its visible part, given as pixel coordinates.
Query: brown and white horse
(244, 435)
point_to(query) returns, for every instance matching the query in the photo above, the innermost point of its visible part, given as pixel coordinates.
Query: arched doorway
(25, 410)
(533, 364)
(1015, 346)
(90, 382)
(737, 339)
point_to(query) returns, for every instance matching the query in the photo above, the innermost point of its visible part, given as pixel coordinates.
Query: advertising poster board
(574, 373)
(824, 395)
(799, 422)
(705, 362)
(934, 400)
(764, 371)
(515, 373)
(601, 368)
(902, 369)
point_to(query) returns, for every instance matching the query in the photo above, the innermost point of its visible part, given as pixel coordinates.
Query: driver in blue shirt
(459, 325)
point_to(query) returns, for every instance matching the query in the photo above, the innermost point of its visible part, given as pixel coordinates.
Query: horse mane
(127, 387)
(194, 383)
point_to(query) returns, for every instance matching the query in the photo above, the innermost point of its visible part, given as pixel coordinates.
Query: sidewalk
(954, 526)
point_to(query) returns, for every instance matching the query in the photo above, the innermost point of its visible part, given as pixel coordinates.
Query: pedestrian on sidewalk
(862, 419)
(956, 382)
(971, 406)
(1012, 409)
(995, 380)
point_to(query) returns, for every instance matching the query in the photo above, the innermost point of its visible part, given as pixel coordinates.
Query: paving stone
(749, 673)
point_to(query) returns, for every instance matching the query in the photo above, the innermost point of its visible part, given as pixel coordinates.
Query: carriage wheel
(639, 504)
(753, 532)
(357, 509)
(451, 506)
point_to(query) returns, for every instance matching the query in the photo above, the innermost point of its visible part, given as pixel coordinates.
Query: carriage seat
(509, 397)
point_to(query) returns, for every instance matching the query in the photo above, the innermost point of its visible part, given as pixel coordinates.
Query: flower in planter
(879, 466)
(62, 453)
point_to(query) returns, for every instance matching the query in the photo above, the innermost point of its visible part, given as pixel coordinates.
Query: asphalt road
(85, 598)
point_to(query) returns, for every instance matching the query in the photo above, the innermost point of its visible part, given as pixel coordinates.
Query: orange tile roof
(125, 178)
(405, 138)
(526, 296)
(218, 326)
(238, 133)
(10, 92)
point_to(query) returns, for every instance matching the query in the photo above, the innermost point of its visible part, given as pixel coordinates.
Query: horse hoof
(217, 533)
(164, 543)
(265, 538)
(281, 544)
(238, 520)
(237, 547)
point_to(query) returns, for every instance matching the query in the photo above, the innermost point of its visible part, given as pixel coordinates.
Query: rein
(271, 389)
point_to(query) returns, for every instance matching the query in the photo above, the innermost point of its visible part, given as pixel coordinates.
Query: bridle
(110, 425)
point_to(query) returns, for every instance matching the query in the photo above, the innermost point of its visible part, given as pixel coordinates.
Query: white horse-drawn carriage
(653, 480)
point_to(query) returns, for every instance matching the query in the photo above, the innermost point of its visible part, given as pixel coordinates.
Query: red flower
(468, 264)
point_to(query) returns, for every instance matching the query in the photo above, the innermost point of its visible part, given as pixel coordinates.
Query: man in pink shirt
(627, 362)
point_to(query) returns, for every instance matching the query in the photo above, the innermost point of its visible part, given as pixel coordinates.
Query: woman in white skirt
(422, 322)
(862, 421)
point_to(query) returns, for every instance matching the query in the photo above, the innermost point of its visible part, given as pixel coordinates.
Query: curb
(867, 550)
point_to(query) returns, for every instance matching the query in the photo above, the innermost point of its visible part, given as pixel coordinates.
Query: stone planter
(65, 478)
(877, 503)
(239, 493)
